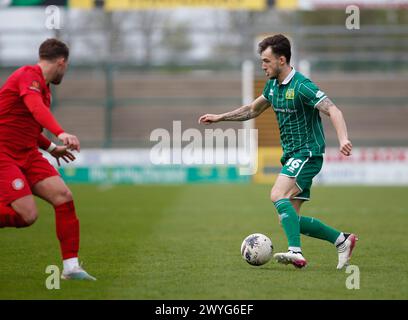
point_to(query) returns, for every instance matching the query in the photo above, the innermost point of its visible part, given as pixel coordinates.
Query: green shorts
(303, 168)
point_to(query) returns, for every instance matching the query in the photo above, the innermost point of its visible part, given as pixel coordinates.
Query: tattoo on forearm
(240, 114)
(325, 105)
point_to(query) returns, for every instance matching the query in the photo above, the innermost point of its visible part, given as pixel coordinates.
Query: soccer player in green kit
(297, 103)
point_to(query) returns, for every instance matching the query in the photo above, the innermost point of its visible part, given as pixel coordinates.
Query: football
(257, 249)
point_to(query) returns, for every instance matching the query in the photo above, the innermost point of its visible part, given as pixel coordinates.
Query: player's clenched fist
(209, 118)
(345, 147)
(70, 141)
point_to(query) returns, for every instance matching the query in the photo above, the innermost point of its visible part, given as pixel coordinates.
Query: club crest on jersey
(271, 92)
(290, 94)
(35, 85)
(17, 184)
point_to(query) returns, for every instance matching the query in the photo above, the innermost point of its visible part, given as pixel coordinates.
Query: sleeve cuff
(59, 132)
(324, 97)
(52, 147)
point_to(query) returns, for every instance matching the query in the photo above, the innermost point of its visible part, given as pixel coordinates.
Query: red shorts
(19, 175)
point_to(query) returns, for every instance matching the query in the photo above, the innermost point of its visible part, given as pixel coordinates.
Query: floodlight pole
(249, 125)
(248, 89)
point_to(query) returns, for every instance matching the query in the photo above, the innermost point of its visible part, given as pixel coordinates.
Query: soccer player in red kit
(25, 100)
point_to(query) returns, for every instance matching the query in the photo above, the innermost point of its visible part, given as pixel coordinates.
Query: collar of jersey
(289, 77)
(37, 69)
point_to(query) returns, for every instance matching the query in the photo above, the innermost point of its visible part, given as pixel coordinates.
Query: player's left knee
(67, 195)
(277, 194)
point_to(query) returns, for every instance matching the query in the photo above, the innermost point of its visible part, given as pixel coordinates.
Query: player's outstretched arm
(45, 118)
(327, 107)
(243, 113)
(42, 114)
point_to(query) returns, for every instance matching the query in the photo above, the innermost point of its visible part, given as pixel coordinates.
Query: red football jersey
(19, 131)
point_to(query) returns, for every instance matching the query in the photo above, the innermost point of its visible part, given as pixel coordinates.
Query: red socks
(67, 229)
(10, 218)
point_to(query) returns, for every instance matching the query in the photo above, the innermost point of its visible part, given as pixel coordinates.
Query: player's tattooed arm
(247, 112)
(243, 113)
(327, 107)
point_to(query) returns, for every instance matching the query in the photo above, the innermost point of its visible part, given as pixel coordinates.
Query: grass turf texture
(183, 242)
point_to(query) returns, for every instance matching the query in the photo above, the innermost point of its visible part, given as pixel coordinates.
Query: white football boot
(345, 249)
(77, 273)
(291, 257)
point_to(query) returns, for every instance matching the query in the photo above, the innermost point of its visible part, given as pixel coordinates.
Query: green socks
(290, 222)
(294, 226)
(315, 228)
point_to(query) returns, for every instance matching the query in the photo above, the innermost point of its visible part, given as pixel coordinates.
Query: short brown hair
(52, 49)
(279, 44)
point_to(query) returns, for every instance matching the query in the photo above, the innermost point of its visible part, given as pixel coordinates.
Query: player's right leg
(284, 189)
(20, 213)
(17, 205)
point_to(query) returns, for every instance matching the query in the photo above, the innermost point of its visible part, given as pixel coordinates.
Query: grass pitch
(183, 242)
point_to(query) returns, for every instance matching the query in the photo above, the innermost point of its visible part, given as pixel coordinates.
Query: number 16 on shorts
(292, 167)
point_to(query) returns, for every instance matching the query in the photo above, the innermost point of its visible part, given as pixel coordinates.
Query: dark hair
(52, 49)
(279, 44)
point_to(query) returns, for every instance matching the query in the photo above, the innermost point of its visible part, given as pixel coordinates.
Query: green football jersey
(294, 102)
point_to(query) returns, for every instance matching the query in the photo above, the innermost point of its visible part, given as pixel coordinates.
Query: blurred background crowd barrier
(136, 66)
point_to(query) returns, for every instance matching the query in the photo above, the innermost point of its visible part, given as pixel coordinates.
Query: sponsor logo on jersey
(285, 110)
(17, 184)
(290, 94)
